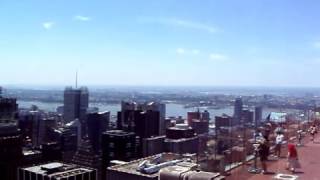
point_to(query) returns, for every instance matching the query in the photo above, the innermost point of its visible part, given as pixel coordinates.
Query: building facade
(76, 103)
(57, 171)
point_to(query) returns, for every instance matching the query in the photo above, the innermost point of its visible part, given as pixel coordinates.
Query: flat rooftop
(56, 169)
(131, 167)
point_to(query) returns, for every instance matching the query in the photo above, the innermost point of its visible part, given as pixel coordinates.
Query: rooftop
(57, 169)
(118, 133)
(277, 116)
(131, 167)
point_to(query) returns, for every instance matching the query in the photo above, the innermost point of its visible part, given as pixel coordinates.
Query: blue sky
(160, 42)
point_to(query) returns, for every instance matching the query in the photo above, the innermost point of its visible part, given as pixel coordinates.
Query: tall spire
(77, 78)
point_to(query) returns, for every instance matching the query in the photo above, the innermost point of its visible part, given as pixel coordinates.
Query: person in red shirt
(292, 156)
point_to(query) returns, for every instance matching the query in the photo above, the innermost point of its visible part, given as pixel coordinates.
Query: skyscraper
(247, 116)
(10, 150)
(152, 113)
(97, 122)
(117, 145)
(85, 156)
(70, 139)
(125, 117)
(193, 115)
(146, 123)
(205, 115)
(10, 139)
(51, 152)
(222, 121)
(8, 109)
(161, 108)
(258, 115)
(76, 103)
(237, 110)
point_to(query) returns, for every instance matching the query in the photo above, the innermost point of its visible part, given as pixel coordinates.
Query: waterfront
(171, 108)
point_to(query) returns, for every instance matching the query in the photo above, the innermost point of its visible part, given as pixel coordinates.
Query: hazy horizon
(232, 90)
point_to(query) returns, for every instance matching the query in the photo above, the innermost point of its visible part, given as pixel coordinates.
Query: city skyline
(167, 43)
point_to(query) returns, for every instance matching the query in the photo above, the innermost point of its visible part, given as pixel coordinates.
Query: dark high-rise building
(10, 150)
(181, 139)
(70, 139)
(142, 119)
(247, 116)
(258, 115)
(130, 113)
(146, 123)
(117, 145)
(32, 126)
(76, 103)
(25, 124)
(193, 115)
(199, 121)
(153, 145)
(200, 126)
(97, 123)
(51, 152)
(205, 115)
(8, 109)
(223, 121)
(161, 108)
(180, 132)
(237, 110)
(85, 156)
(126, 115)
(182, 146)
(31, 156)
(57, 171)
(11, 154)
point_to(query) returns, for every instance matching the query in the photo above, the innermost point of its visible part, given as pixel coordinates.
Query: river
(171, 109)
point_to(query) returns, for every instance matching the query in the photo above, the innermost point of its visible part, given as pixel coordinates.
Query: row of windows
(26, 175)
(112, 145)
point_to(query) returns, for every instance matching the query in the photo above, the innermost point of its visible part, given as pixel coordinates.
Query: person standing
(279, 142)
(263, 154)
(299, 137)
(313, 132)
(292, 158)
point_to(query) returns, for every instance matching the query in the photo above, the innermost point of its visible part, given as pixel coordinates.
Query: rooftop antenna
(76, 79)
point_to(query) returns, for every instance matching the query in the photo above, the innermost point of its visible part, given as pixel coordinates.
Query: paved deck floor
(309, 156)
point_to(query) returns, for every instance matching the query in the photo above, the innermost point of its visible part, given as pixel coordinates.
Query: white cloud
(192, 25)
(180, 51)
(218, 57)
(48, 25)
(195, 51)
(82, 18)
(187, 51)
(316, 44)
(180, 23)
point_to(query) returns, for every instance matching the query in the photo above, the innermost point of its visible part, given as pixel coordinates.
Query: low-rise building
(56, 171)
